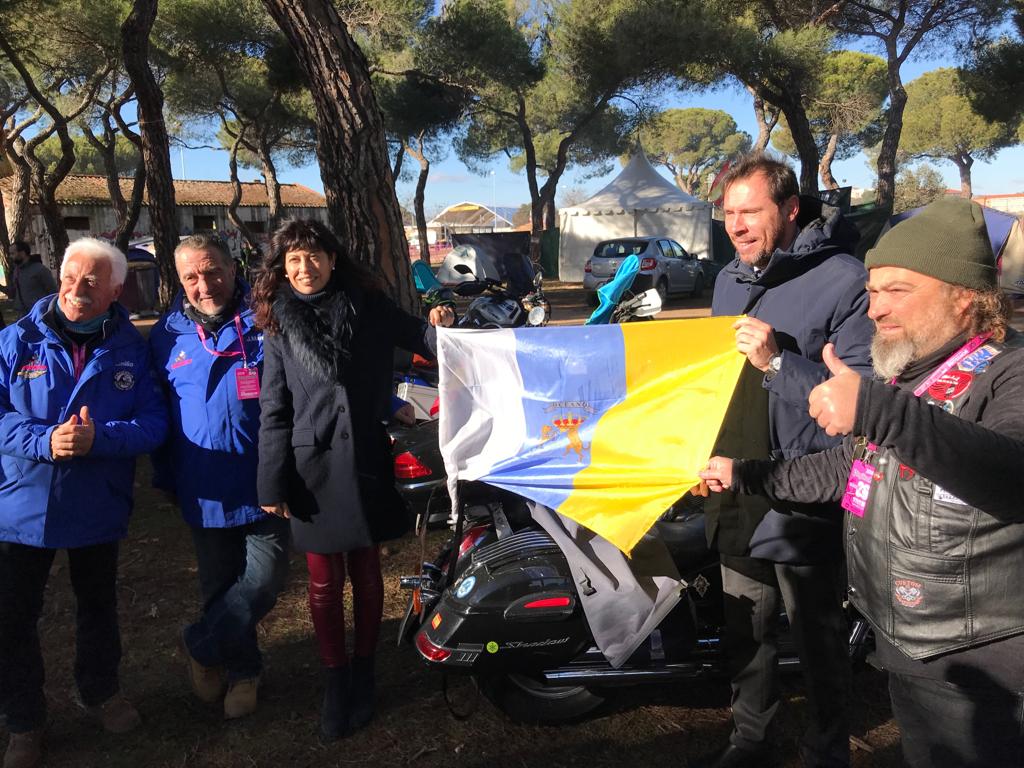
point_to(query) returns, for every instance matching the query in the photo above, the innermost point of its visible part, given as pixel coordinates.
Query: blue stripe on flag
(562, 382)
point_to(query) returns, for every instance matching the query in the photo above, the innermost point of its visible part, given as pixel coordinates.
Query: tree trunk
(806, 147)
(885, 193)
(765, 125)
(236, 194)
(550, 212)
(351, 147)
(53, 217)
(825, 166)
(5, 237)
(156, 152)
(963, 162)
(273, 185)
(21, 189)
(396, 172)
(126, 227)
(418, 198)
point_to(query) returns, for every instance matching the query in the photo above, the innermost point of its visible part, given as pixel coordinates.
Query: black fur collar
(319, 335)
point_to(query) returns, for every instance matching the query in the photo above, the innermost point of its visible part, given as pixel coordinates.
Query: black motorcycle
(500, 604)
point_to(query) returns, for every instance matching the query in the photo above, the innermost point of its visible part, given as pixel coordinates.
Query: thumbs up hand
(85, 433)
(833, 403)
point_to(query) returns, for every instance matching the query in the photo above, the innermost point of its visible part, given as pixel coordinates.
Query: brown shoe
(116, 714)
(208, 683)
(240, 700)
(25, 750)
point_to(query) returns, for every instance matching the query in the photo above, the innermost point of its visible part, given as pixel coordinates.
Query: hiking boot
(334, 712)
(363, 689)
(25, 750)
(208, 683)
(116, 714)
(240, 700)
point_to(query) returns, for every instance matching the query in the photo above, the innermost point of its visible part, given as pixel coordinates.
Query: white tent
(638, 202)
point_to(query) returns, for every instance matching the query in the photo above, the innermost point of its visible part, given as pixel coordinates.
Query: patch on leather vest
(908, 593)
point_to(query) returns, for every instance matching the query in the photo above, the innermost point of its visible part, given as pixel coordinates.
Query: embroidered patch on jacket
(124, 380)
(978, 360)
(32, 369)
(906, 473)
(180, 360)
(908, 593)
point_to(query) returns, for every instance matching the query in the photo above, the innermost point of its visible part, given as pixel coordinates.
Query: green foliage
(693, 143)
(992, 76)
(87, 159)
(916, 186)
(939, 121)
(845, 102)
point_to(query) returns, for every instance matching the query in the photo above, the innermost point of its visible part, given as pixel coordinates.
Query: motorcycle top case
(514, 601)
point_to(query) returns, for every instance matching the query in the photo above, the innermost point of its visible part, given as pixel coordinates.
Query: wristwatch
(774, 366)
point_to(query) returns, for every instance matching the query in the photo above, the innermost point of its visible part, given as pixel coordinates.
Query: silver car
(664, 265)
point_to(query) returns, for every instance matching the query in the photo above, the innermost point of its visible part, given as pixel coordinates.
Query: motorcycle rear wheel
(527, 699)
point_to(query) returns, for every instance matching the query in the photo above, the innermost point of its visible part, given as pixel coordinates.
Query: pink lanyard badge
(247, 380)
(78, 358)
(862, 473)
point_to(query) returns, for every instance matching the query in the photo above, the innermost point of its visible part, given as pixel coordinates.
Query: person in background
(209, 356)
(929, 474)
(78, 403)
(325, 461)
(29, 280)
(798, 288)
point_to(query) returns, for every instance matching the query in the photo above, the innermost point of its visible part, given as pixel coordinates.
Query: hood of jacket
(822, 232)
(33, 328)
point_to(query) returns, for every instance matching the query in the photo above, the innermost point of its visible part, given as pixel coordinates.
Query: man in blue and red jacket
(77, 404)
(209, 355)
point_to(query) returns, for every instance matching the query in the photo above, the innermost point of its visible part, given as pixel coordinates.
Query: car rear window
(620, 247)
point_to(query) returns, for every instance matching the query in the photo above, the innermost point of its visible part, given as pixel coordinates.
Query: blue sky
(451, 182)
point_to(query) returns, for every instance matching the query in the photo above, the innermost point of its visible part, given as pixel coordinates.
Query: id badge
(858, 486)
(247, 383)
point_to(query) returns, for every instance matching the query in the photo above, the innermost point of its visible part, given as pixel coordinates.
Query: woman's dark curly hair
(301, 235)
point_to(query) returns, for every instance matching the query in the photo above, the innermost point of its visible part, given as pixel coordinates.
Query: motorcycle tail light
(408, 467)
(436, 407)
(430, 651)
(647, 263)
(549, 602)
(587, 267)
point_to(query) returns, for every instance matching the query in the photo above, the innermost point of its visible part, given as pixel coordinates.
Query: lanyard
(955, 358)
(78, 355)
(218, 353)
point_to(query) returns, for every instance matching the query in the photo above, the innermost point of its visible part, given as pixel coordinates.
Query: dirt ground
(653, 726)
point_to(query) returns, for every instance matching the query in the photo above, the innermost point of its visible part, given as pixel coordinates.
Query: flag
(607, 425)
(716, 193)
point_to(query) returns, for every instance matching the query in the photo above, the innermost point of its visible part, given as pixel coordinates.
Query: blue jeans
(241, 572)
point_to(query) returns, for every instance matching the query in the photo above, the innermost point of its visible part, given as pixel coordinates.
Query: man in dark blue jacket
(77, 404)
(209, 355)
(798, 288)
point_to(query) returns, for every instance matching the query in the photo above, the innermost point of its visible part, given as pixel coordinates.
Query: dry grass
(653, 726)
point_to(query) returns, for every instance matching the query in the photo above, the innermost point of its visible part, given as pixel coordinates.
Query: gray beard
(891, 358)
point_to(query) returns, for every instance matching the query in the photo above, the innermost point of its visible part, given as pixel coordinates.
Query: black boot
(334, 713)
(361, 707)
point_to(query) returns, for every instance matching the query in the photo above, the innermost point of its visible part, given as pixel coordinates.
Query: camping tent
(638, 202)
(1007, 237)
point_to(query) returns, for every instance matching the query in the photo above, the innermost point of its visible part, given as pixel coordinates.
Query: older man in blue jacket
(210, 357)
(77, 405)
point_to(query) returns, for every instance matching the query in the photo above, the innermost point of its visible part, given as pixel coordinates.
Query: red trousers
(327, 602)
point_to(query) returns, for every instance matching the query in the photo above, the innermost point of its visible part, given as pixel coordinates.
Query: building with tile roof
(201, 205)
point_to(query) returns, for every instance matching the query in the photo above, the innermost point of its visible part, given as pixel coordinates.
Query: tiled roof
(81, 189)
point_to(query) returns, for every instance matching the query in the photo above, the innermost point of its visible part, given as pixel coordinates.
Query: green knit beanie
(947, 239)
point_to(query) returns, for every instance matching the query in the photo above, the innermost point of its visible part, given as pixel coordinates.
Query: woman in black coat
(325, 460)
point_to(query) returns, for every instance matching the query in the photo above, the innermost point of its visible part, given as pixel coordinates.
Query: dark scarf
(318, 329)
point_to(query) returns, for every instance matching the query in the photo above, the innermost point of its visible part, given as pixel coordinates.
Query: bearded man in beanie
(931, 475)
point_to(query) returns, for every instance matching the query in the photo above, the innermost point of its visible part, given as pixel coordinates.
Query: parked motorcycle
(499, 603)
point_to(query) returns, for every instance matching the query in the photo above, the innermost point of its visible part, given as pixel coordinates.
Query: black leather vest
(931, 573)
